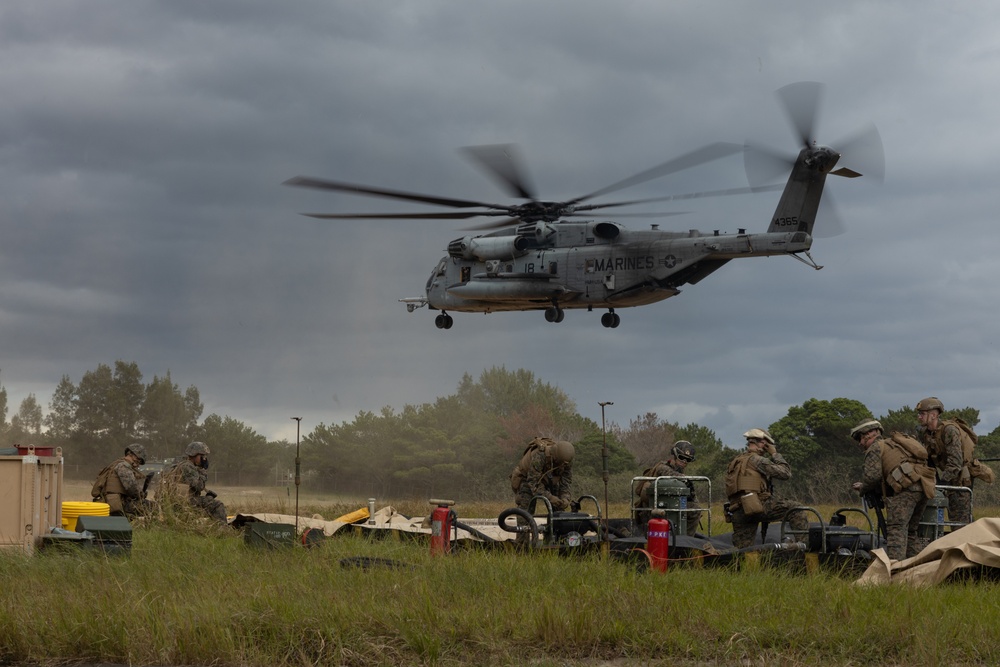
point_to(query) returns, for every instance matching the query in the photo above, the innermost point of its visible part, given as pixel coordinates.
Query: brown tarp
(973, 546)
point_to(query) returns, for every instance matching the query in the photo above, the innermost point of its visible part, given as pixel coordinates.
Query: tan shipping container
(30, 497)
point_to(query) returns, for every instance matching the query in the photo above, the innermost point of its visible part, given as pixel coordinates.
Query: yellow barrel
(71, 511)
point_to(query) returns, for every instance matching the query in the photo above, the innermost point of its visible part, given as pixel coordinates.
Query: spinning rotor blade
(661, 214)
(686, 161)
(801, 103)
(863, 152)
(442, 215)
(486, 226)
(338, 186)
(678, 197)
(765, 166)
(832, 224)
(860, 154)
(503, 162)
(511, 222)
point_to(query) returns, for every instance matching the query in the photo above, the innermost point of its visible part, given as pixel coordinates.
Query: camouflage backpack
(100, 488)
(977, 470)
(101, 483)
(904, 463)
(517, 475)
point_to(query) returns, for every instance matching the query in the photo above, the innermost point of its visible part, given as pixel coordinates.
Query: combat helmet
(931, 403)
(683, 450)
(864, 427)
(137, 449)
(758, 433)
(562, 451)
(196, 448)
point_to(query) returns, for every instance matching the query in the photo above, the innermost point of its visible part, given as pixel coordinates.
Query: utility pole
(604, 462)
(298, 478)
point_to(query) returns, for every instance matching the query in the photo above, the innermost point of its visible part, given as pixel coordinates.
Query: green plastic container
(261, 534)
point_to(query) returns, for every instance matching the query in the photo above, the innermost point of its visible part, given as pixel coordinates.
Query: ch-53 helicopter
(537, 260)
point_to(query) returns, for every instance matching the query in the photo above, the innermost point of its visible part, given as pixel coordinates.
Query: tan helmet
(196, 448)
(562, 451)
(864, 427)
(683, 450)
(138, 450)
(931, 403)
(758, 433)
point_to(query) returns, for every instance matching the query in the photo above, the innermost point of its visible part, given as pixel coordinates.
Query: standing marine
(188, 478)
(895, 469)
(750, 490)
(943, 439)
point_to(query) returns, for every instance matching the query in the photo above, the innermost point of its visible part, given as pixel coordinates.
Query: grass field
(197, 595)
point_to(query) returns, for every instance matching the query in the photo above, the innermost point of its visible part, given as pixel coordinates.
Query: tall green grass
(201, 596)
(192, 593)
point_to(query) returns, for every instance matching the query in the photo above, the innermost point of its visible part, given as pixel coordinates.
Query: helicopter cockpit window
(466, 274)
(441, 268)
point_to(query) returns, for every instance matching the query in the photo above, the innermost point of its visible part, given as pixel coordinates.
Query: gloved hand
(211, 494)
(574, 506)
(771, 449)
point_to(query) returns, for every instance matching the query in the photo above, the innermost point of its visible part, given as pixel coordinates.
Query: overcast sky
(143, 146)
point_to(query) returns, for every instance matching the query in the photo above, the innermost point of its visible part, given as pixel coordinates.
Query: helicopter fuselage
(587, 264)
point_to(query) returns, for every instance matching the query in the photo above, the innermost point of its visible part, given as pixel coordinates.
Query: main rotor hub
(541, 211)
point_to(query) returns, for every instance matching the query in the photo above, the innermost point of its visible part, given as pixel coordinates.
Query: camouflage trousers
(212, 507)
(959, 506)
(775, 509)
(902, 522)
(127, 506)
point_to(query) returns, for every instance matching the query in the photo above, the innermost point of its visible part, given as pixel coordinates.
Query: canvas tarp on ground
(386, 518)
(976, 545)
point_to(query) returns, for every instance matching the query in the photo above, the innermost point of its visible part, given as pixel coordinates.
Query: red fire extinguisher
(442, 519)
(658, 541)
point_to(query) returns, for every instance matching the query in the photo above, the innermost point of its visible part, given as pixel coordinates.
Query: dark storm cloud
(143, 144)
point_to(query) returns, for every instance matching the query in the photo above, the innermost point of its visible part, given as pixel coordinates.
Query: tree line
(461, 445)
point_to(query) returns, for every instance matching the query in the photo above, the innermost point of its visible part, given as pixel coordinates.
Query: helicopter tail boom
(796, 211)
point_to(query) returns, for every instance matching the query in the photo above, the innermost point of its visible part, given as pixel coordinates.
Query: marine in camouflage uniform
(122, 485)
(681, 454)
(763, 463)
(545, 469)
(944, 450)
(189, 477)
(904, 509)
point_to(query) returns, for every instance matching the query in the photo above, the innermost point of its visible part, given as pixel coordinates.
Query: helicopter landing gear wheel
(443, 321)
(555, 314)
(611, 320)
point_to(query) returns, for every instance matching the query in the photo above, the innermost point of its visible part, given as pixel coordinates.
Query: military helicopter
(540, 257)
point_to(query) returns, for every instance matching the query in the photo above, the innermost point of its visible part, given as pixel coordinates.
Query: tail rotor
(859, 154)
